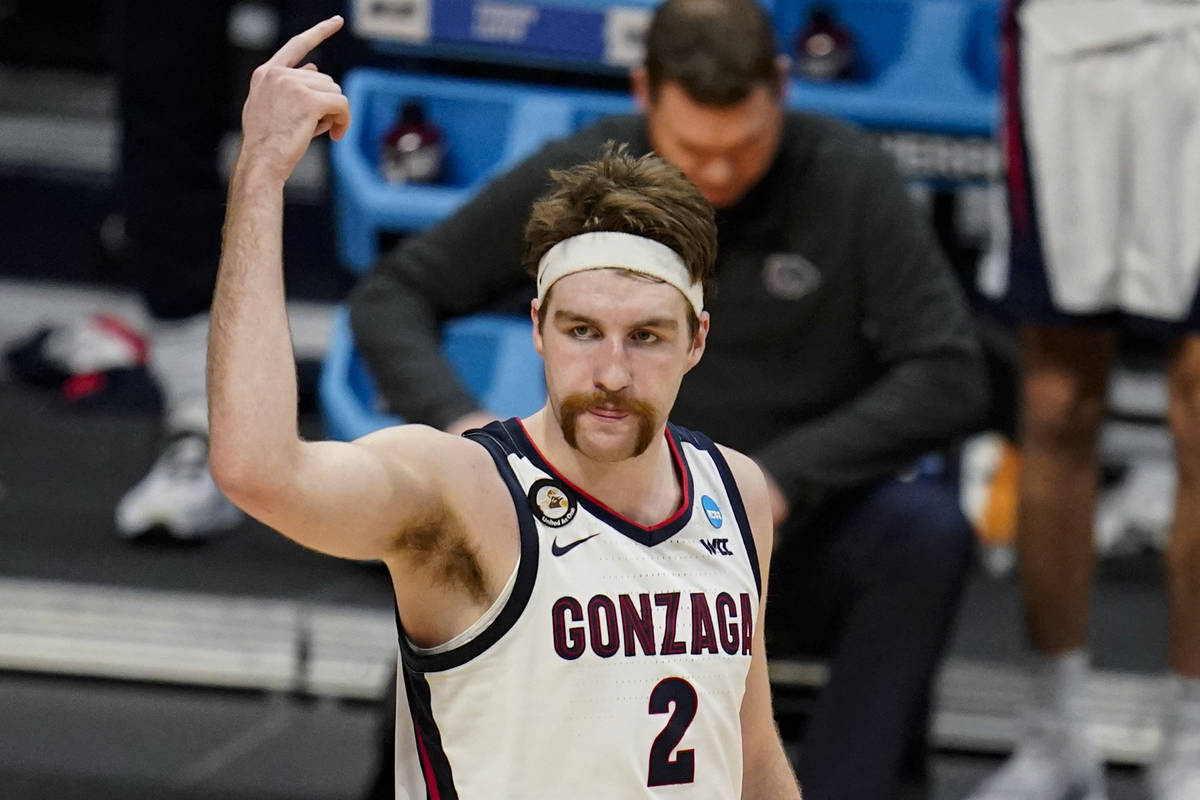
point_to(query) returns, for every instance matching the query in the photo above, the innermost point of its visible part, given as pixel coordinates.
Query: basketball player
(579, 592)
(1104, 152)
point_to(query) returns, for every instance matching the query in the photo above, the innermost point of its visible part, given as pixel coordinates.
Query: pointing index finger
(300, 45)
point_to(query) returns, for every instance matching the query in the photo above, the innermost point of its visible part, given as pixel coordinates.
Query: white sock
(1183, 708)
(178, 354)
(1059, 687)
(1189, 690)
(1180, 749)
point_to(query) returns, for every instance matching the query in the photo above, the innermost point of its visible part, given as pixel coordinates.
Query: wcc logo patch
(717, 547)
(552, 503)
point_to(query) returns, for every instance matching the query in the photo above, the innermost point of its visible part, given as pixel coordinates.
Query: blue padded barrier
(487, 125)
(347, 397)
(598, 36)
(925, 65)
(492, 353)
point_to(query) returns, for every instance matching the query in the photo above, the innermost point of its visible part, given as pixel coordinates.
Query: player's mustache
(577, 403)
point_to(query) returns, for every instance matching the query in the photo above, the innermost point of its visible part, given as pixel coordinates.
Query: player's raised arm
(344, 499)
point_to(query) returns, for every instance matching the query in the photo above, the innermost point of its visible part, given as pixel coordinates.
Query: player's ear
(639, 83)
(699, 341)
(783, 67)
(534, 306)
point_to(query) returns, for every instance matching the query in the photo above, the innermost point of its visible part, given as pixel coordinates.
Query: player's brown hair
(644, 196)
(718, 51)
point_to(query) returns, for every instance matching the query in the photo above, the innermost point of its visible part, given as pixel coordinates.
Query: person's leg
(1065, 373)
(1065, 378)
(171, 67)
(1176, 773)
(173, 91)
(1183, 551)
(886, 568)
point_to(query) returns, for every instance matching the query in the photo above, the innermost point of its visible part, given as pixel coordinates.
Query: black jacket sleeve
(932, 384)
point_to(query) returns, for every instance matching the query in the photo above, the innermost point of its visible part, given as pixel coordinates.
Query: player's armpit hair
(437, 545)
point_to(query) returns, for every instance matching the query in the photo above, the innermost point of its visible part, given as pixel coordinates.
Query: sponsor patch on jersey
(552, 503)
(712, 511)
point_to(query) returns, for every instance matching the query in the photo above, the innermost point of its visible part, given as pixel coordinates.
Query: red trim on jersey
(427, 767)
(1018, 174)
(680, 471)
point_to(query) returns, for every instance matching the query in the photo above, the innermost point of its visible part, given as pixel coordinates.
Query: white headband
(612, 250)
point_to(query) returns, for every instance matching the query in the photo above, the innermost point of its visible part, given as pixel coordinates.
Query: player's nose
(611, 372)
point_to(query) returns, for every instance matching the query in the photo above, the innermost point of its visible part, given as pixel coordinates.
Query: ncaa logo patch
(712, 511)
(552, 503)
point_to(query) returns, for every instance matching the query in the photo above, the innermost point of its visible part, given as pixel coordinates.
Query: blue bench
(492, 353)
(924, 65)
(596, 36)
(487, 125)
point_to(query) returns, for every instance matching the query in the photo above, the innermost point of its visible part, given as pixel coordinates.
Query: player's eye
(645, 337)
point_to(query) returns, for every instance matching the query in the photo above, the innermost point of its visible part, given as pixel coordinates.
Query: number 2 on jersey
(682, 769)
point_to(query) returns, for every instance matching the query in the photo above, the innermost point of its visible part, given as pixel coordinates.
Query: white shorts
(1110, 96)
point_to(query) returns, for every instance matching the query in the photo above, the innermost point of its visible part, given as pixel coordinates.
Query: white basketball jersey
(614, 663)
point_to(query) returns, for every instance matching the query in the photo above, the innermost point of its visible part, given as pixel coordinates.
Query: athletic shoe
(178, 496)
(1048, 764)
(1175, 775)
(1182, 785)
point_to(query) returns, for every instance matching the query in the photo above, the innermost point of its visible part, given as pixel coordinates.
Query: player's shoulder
(749, 481)
(449, 470)
(745, 471)
(405, 435)
(423, 445)
(752, 486)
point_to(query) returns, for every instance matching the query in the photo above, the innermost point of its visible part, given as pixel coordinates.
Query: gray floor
(85, 739)
(71, 737)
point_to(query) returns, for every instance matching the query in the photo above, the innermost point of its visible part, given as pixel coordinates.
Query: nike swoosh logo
(558, 551)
